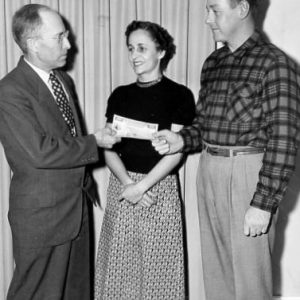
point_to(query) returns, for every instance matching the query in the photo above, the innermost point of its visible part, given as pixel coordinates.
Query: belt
(230, 152)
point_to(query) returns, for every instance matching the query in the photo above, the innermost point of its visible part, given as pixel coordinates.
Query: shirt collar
(43, 74)
(251, 42)
(239, 53)
(248, 44)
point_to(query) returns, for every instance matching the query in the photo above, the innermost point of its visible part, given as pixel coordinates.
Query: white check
(130, 128)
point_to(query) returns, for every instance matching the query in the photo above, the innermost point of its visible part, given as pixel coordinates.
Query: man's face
(52, 44)
(223, 19)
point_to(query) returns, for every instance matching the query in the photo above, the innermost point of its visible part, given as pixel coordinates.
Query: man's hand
(256, 222)
(106, 137)
(167, 142)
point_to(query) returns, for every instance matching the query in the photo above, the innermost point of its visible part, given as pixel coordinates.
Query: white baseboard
(286, 298)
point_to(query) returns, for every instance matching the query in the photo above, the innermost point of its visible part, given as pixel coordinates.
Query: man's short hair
(252, 3)
(26, 23)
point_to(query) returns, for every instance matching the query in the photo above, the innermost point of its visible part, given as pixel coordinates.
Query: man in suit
(48, 153)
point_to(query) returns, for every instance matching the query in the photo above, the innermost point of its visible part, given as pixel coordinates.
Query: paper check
(130, 128)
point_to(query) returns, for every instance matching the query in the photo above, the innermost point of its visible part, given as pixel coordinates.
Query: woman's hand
(135, 194)
(132, 192)
(147, 201)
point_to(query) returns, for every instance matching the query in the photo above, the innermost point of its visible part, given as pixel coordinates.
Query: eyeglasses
(60, 38)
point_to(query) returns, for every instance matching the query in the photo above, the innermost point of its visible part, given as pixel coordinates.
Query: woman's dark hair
(163, 40)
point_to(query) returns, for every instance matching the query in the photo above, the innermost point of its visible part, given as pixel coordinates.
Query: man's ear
(31, 44)
(244, 9)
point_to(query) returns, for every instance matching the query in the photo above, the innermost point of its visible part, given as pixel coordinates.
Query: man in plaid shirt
(246, 127)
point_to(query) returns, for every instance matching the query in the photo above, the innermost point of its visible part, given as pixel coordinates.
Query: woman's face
(144, 56)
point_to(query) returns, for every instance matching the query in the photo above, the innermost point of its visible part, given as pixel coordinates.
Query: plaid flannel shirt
(249, 97)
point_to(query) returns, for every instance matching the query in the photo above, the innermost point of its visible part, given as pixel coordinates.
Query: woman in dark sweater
(140, 254)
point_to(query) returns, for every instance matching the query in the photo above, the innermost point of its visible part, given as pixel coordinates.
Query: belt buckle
(213, 150)
(220, 151)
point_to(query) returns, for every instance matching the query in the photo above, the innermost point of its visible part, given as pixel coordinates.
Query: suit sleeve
(21, 130)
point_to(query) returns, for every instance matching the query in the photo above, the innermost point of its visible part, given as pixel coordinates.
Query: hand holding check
(130, 128)
(167, 142)
(106, 138)
(164, 141)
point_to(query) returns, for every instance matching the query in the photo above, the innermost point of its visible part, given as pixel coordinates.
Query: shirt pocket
(244, 103)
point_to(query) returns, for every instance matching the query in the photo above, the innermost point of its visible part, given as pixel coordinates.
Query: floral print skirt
(140, 253)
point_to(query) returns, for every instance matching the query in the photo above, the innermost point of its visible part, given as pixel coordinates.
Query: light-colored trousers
(236, 267)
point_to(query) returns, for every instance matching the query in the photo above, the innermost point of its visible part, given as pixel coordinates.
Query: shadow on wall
(261, 12)
(287, 206)
(73, 50)
(293, 191)
(71, 59)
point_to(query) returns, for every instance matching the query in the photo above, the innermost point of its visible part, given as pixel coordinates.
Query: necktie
(63, 103)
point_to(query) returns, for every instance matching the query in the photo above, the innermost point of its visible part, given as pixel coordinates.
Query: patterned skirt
(140, 254)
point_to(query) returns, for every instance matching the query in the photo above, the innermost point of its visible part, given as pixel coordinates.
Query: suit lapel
(42, 94)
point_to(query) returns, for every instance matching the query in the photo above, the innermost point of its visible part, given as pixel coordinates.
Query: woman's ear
(162, 54)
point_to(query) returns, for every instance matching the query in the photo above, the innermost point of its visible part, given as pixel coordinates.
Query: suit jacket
(48, 164)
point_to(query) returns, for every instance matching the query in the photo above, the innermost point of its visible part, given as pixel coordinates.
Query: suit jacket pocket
(32, 200)
(30, 227)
